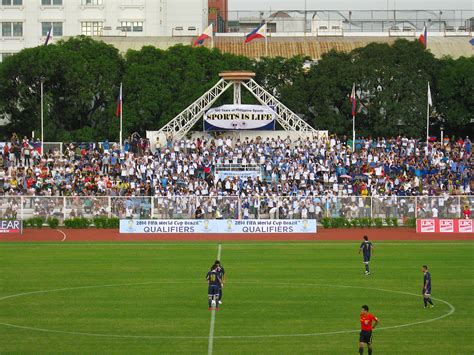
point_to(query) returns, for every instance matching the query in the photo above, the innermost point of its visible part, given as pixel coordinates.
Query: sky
(350, 4)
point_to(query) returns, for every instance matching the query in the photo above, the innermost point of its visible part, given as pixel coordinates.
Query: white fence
(234, 207)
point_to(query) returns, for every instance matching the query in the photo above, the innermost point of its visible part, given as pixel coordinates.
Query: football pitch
(279, 298)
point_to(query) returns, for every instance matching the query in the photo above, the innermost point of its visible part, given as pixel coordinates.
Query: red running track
(112, 235)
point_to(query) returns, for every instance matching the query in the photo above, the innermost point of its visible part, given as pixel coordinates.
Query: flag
(259, 32)
(430, 102)
(119, 103)
(354, 100)
(424, 37)
(471, 41)
(48, 36)
(208, 33)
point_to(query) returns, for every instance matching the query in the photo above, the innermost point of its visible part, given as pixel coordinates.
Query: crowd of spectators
(379, 167)
(303, 170)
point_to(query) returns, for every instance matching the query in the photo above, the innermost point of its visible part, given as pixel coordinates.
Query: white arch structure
(179, 126)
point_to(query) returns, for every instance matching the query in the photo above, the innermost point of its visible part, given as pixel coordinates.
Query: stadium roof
(314, 47)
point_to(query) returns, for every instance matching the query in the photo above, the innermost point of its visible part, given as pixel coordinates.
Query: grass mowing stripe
(213, 315)
(250, 243)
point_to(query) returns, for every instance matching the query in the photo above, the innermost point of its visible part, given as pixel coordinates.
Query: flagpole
(121, 116)
(266, 44)
(427, 117)
(353, 133)
(42, 119)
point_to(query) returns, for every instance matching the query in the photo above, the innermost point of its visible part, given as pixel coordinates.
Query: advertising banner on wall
(239, 117)
(10, 226)
(438, 225)
(249, 226)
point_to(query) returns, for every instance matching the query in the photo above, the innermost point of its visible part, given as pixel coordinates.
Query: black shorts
(213, 290)
(366, 258)
(365, 336)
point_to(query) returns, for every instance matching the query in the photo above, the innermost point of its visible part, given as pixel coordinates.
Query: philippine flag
(259, 32)
(208, 33)
(424, 37)
(354, 100)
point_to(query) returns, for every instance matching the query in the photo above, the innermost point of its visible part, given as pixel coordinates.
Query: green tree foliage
(455, 95)
(160, 84)
(82, 77)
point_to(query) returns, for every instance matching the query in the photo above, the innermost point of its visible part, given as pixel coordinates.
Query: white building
(25, 23)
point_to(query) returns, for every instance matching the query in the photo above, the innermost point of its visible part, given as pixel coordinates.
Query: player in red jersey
(367, 322)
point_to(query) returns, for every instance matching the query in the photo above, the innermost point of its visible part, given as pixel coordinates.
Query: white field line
(452, 309)
(64, 234)
(210, 345)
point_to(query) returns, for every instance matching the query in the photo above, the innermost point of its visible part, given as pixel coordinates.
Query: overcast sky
(350, 4)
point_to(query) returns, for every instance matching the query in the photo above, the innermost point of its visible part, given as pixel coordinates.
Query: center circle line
(452, 309)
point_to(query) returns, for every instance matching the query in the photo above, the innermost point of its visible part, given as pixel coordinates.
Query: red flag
(118, 111)
(353, 100)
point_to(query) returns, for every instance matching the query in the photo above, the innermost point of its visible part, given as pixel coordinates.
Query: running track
(112, 235)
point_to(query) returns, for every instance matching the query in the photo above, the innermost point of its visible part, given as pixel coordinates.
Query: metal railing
(227, 207)
(314, 21)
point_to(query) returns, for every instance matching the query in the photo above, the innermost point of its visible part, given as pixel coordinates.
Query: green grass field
(279, 298)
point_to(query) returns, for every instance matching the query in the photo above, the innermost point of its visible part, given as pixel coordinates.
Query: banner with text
(438, 225)
(240, 117)
(248, 226)
(10, 226)
(243, 175)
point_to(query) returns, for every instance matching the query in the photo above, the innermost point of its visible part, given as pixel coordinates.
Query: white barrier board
(249, 226)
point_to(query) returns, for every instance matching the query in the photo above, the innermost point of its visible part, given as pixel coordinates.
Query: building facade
(26, 23)
(219, 14)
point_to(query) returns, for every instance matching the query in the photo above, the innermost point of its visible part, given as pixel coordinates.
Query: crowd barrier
(222, 207)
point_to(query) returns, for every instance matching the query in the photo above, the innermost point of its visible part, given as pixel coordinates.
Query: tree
(455, 95)
(161, 84)
(81, 78)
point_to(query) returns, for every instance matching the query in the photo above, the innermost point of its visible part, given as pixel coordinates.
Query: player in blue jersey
(367, 248)
(215, 283)
(221, 271)
(427, 287)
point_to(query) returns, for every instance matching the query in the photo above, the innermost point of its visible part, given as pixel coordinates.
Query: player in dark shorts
(427, 287)
(367, 322)
(367, 248)
(221, 272)
(214, 284)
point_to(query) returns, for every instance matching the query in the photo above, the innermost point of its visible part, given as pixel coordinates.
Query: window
(91, 2)
(3, 56)
(17, 29)
(57, 28)
(51, 2)
(92, 28)
(12, 29)
(132, 26)
(12, 2)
